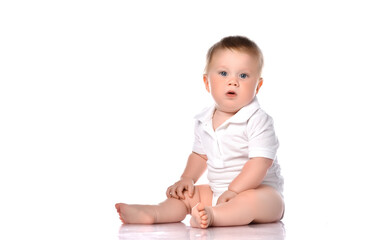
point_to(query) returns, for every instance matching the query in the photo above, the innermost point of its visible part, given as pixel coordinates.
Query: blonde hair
(238, 43)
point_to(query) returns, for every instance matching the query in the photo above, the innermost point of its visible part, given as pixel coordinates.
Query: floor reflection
(275, 231)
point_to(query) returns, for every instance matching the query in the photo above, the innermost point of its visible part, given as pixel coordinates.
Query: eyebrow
(241, 70)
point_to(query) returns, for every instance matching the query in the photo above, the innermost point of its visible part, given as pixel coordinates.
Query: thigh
(267, 203)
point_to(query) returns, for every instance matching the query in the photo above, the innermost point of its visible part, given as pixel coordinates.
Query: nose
(233, 82)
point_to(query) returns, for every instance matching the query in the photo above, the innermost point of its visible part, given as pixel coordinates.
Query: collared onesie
(247, 134)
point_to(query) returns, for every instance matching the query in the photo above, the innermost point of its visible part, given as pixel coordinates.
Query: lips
(231, 94)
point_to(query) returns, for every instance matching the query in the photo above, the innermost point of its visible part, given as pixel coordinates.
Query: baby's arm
(250, 177)
(196, 166)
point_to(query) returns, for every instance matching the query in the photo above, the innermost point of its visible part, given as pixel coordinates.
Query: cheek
(208, 88)
(249, 91)
(251, 87)
(216, 88)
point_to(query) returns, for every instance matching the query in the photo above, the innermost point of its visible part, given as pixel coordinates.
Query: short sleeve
(197, 143)
(263, 141)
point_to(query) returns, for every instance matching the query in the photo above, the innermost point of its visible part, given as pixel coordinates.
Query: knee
(248, 193)
(189, 201)
(250, 196)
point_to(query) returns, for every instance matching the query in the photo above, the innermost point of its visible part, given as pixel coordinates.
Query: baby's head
(237, 43)
(233, 73)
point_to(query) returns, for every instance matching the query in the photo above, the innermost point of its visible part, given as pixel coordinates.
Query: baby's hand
(176, 190)
(226, 196)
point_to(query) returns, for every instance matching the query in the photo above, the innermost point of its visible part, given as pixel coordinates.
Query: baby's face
(233, 79)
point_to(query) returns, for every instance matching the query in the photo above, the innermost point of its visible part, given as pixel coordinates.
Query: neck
(224, 114)
(220, 117)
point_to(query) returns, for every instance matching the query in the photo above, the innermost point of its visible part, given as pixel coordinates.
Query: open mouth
(231, 94)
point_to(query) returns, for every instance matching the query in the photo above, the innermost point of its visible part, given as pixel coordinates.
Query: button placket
(220, 160)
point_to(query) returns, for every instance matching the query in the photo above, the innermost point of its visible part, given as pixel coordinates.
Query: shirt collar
(241, 116)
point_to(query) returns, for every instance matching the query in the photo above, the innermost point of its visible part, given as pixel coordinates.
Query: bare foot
(138, 214)
(202, 217)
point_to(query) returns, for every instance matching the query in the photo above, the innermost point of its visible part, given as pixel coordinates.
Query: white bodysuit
(247, 134)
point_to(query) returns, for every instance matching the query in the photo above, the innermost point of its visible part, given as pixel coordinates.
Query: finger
(191, 190)
(222, 199)
(173, 193)
(168, 192)
(180, 190)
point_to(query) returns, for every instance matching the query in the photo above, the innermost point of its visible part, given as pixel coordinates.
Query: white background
(97, 100)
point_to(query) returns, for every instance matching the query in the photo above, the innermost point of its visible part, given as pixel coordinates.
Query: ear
(260, 83)
(207, 84)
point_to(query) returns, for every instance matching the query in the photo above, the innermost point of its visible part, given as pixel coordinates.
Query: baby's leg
(171, 210)
(262, 205)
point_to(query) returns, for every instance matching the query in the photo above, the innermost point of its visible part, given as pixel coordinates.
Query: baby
(235, 141)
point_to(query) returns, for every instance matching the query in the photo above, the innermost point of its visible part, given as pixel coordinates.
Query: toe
(117, 206)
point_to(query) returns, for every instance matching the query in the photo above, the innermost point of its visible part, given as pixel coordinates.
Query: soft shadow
(181, 231)
(155, 231)
(253, 231)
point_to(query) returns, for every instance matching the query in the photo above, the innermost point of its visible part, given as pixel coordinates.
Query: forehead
(234, 58)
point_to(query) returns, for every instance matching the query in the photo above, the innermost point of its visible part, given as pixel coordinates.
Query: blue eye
(243, 75)
(223, 73)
